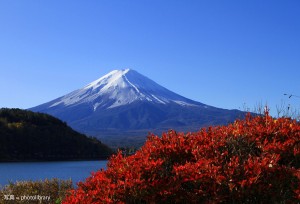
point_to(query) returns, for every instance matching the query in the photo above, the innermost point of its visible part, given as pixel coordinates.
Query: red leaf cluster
(254, 160)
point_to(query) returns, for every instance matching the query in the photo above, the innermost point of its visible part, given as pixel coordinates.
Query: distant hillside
(29, 136)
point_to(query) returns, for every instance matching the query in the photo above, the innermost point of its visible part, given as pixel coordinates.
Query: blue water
(76, 170)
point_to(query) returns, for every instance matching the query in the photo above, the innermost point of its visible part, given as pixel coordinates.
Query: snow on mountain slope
(121, 87)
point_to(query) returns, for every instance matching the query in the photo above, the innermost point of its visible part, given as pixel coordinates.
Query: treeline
(29, 136)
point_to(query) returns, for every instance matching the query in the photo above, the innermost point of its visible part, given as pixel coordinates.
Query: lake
(76, 170)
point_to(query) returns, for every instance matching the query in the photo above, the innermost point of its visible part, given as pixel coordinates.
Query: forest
(29, 136)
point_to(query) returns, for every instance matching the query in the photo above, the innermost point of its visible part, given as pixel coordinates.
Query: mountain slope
(28, 136)
(118, 88)
(124, 101)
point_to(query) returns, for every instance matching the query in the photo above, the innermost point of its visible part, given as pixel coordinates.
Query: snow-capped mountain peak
(121, 87)
(110, 79)
(124, 105)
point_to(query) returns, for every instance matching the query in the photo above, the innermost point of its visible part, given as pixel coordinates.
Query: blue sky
(229, 54)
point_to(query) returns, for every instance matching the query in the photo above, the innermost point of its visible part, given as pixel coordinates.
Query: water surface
(75, 170)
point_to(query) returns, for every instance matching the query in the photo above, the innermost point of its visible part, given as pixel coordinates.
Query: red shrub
(255, 160)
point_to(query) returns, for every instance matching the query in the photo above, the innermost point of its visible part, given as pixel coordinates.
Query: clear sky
(229, 54)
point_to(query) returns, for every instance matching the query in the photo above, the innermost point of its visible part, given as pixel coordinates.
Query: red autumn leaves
(254, 160)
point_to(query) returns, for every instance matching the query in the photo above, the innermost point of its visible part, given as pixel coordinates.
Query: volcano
(121, 107)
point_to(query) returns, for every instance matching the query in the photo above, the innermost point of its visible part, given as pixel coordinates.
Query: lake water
(76, 170)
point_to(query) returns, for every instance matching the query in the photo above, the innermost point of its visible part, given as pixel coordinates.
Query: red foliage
(255, 160)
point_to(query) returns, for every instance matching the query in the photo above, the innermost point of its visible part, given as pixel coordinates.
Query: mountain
(29, 136)
(123, 106)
